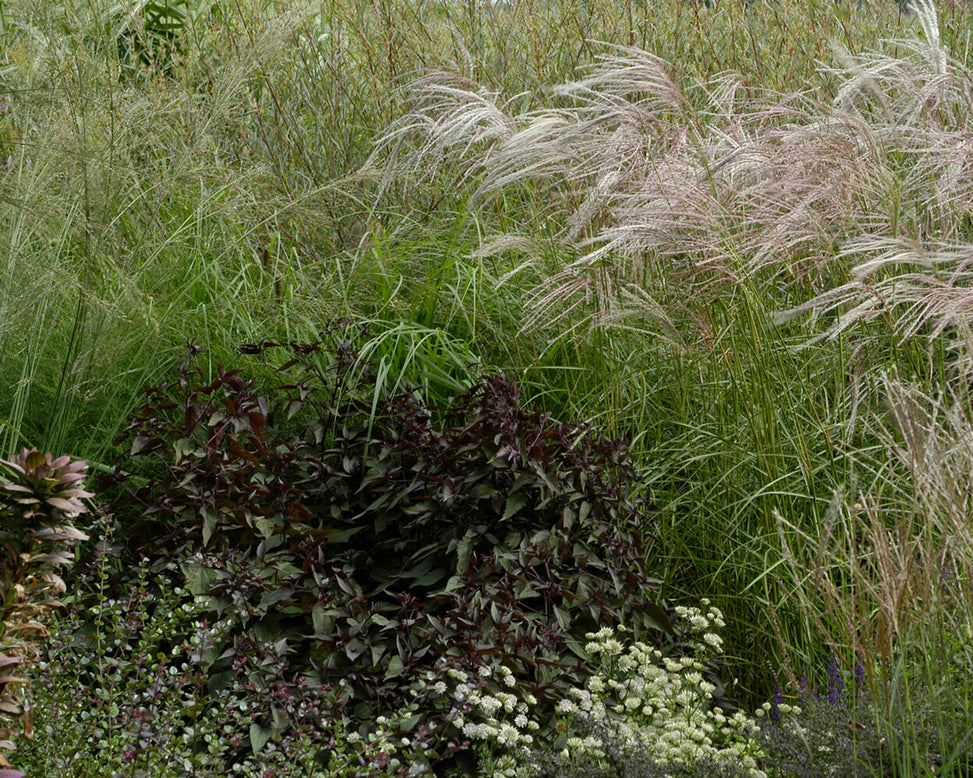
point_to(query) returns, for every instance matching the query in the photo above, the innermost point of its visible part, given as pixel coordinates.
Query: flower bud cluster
(784, 709)
(660, 705)
(655, 704)
(492, 715)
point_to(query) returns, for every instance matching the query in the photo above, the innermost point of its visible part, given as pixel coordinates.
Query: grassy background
(210, 192)
(212, 186)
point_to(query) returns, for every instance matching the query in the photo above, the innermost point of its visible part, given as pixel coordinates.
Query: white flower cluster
(704, 625)
(382, 739)
(391, 743)
(496, 718)
(783, 709)
(659, 705)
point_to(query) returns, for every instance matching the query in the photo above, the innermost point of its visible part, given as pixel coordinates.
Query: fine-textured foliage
(124, 686)
(369, 536)
(644, 713)
(674, 185)
(886, 578)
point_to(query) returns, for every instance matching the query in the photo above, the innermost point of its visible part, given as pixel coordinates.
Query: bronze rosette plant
(40, 498)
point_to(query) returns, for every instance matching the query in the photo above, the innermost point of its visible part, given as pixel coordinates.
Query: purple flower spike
(775, 704)
(836, 684)
(859, 673)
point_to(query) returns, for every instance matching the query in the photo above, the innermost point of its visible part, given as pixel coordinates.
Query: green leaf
(354, 648)
(395, 668)
(274, 597)
(199, 580)
(542, 473)
(209, 524)
(526, 592)
(577, 649)
(343, 536)
(259, 735)
(454, 583)
(318, 619)
(656, 615)
(515, 502)
(430, 578)
(584, 511)
(348, 586)
(377, 651)
(182, 448)
(409, 724)
(265, 527)
(286, 568)
(540, 537)
(463, 553)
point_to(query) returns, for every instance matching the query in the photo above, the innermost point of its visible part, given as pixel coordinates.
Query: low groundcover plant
(125, 691)
(125, 687)
(659, 706)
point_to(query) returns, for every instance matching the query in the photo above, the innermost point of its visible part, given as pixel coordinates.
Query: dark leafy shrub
(40, 498)
(370, 538)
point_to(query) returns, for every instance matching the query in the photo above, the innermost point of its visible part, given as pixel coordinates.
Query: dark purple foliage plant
(373, 539)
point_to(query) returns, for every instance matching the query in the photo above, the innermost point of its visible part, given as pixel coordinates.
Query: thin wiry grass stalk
(889, 557)
(886, 576)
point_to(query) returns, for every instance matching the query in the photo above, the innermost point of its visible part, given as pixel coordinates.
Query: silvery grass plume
(621, 158)
(451, 120)
(927, 68)
(911, 268)
(669, 194)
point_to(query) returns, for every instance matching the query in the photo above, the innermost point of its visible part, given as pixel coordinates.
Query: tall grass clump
(182, 170)
(886, 578)
(686, 224)
(891, 562)
(121, 220)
